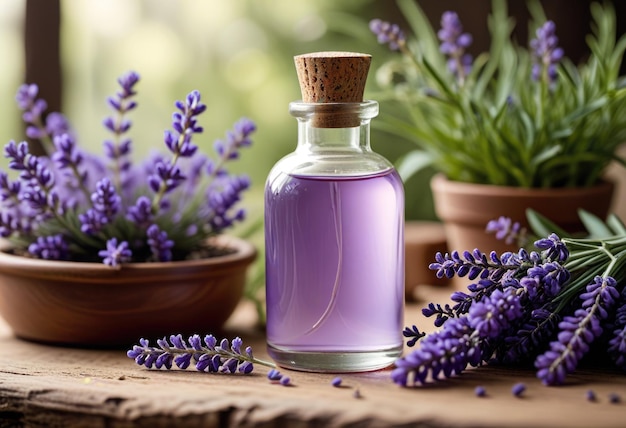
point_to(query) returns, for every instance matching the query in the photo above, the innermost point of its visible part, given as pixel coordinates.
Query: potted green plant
(511, 125)
(99, 250)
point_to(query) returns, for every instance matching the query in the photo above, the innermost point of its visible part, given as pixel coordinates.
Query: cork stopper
(333, 77)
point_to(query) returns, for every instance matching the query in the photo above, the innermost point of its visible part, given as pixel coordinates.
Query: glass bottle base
(334, 362)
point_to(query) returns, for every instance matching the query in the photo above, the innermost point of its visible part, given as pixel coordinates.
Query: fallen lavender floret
(480, 391)
(206, 354)
(518, 389)
(336, 382)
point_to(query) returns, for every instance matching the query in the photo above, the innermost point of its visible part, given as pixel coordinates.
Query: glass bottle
(334, 223)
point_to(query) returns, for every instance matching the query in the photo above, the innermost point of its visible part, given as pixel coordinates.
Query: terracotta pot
(466, 208)
(90, 304)
(422, 240)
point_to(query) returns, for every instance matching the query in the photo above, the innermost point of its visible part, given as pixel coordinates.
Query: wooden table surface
(43, 385)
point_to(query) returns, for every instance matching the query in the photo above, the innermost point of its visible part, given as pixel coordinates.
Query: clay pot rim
(245, 252)
(439, 181)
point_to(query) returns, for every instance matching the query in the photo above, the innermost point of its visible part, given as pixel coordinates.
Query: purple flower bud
(274, 375)
(141, 212)
(546, 53)
(160, 245)
(453, 44)
(115, 254)
(49, 248)
(518, 389)
(480, 391)
(387, 34)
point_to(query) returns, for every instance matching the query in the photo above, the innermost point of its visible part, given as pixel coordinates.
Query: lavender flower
(617, 344)
(274, 375)
(160, 245)
(222, 195)
(494, 314)
(68, 156)
(509, 231)
(414, 334)
(9, 190)
(49, 248)
(34, 108)
(388, 34)
(446, 352)
(554, 248)
(38, 192)
(544, 282)
(530, 336)
(237, 138)
(115, 254)
(543, 306)
(206, 354)
(88, 200)
(168, 176)
(518, 389)
(577, 332)
(141, 213)
(480, 391)
(119, 149)
(453, 44)
(106, 204)
(546, 53)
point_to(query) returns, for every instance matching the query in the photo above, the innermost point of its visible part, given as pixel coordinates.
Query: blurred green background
(238, 54)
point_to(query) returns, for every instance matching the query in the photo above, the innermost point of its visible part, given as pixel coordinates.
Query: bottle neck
(315, 140)
(334, 140)
(334, 127)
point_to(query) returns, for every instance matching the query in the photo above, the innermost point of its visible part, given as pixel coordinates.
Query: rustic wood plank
(42, 385)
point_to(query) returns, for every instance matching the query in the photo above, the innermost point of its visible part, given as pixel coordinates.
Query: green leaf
(594, 225)
(412, 163)
(542, 226)
(616, 225)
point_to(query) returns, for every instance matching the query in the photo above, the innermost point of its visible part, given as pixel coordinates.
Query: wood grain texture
(49, 386)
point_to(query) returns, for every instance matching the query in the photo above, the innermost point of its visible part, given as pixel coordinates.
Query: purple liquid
(334, 263)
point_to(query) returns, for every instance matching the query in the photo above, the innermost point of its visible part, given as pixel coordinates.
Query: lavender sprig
(546, 53)
(205, 354)
(34, 108)
(115, 254)
(118, 150)
(388, 34)
(453, 44)
(179, 141)
(49, 248)
(414, 334)
(617, 344)
(577, 332)
(68, 158)
(549, 306)
(160, 245)
(38, 191)
(106, 204)
(509, 231)
(122, 213)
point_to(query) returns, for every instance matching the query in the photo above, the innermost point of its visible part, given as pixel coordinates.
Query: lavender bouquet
(551, 306)
(511, 116)
(72, 205)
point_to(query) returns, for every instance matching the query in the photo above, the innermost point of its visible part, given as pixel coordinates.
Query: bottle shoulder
(332, 164)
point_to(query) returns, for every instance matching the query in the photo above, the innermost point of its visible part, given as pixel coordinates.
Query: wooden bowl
(94, 305)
